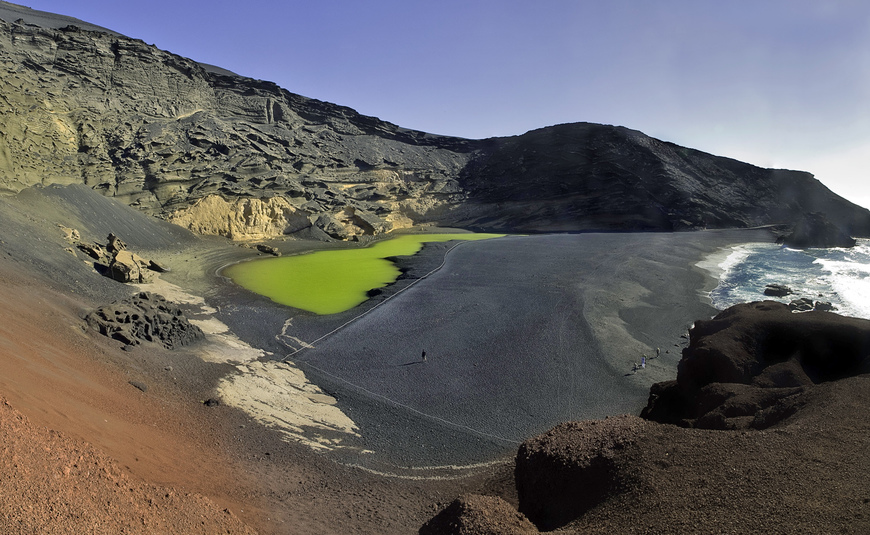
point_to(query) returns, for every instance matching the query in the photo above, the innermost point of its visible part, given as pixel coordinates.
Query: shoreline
(615, 295)
(616, 330)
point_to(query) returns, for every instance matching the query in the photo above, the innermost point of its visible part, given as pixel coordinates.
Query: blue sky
(777, 83)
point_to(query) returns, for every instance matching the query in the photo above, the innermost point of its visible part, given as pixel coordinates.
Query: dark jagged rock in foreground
(748, 366)
(794, 390)
(223, 154)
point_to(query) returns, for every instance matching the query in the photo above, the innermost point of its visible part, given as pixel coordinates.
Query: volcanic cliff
(223, 154)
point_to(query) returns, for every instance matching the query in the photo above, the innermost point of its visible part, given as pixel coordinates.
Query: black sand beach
(520, 333)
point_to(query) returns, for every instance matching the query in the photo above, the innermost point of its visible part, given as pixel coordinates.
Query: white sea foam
(720, 262)
(847, 271)
(840, 276)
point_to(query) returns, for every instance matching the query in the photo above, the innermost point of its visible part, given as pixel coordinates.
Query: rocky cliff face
(223, 154)
(586, 175)
(161, 132)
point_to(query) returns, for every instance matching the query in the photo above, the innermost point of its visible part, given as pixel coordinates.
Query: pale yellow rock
(241, 219)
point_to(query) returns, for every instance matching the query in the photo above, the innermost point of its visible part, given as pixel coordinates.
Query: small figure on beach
(643, 362)
(423, 356)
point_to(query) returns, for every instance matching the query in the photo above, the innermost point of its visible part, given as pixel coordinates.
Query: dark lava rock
(816, 230)
(145, 318)
(801, 305)
(211, 402)
(478, 515)
(747, 367)
(777, 290)
(268, 249)
(824, 306)
(157, 267)
(568, 470)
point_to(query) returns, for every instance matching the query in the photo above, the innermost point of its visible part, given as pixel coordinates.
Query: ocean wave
(838, 276)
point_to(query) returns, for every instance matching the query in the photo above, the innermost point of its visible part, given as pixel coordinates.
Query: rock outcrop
(817, 230)
(794, 387)
(570, 469)
(145, 317)
(117, 262)
(777, 290)
(745, 367)
(569, 176)
(479, 515)
(242, 158)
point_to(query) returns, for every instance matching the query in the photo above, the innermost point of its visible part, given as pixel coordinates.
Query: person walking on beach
(423, 357)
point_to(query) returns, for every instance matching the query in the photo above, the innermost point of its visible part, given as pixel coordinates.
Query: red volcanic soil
(82, 450)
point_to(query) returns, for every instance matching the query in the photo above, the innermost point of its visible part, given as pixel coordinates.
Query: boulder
(95, 251)
(568, 470)
(129, 267)
(824, 306)
(114, 244)
(145, 317)
(332, 226)
(745, 367)
(157, 267)
(801, 305)
(777, 290)
(268, 249)
(478, 515)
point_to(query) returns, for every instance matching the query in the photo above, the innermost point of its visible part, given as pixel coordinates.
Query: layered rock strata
(227, 155)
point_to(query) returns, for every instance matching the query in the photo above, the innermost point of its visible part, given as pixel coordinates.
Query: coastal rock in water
(824, 306)
(801, 305)
(816, 230)
(777, 290)
(747, 367)
(145, 318)
(479, 515)
(568, 470)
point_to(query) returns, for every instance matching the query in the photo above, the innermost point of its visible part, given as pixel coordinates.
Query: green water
(327, 282)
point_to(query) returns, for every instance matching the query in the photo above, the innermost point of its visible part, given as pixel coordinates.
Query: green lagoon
(328, 282)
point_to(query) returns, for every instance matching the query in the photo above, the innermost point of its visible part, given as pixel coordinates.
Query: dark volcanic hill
(224, 154)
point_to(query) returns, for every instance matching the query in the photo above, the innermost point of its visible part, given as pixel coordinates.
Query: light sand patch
(278, 395)
(227, 348)
(211, 325)
(174, 293)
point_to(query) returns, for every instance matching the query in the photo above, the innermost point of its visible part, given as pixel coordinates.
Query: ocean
(838, 276)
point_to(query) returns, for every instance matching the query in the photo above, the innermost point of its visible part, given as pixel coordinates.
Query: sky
(776, 83)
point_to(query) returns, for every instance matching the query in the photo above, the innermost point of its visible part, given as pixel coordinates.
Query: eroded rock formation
(746, 367)
(145, 317)
(791, 388)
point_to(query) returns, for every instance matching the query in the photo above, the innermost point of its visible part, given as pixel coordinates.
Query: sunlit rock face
(160, 132)
(228, 155)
